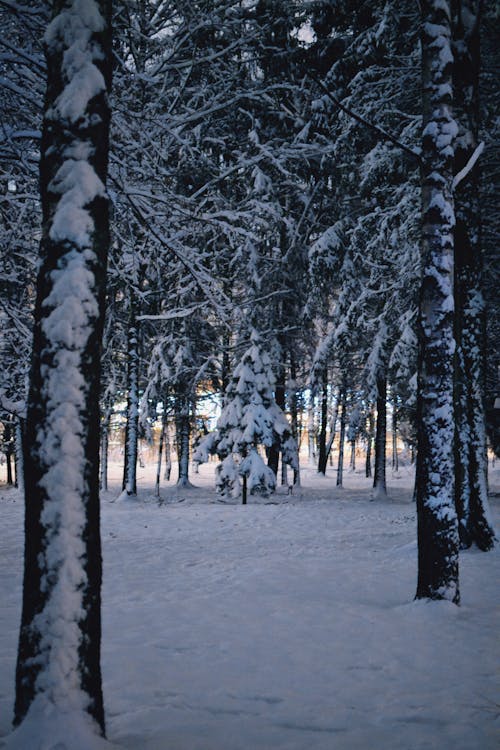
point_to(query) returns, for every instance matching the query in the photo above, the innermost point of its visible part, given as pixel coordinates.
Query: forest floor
(288, 624)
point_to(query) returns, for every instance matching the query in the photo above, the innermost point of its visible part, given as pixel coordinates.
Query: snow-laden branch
(184, 313)
(363, 121)
(460, 176)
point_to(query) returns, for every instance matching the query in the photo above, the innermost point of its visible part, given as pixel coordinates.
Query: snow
(71, 32)
(78, 184)
(286, 624)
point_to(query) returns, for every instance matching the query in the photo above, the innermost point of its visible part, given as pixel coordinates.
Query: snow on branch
(363, 121)
(460, 176)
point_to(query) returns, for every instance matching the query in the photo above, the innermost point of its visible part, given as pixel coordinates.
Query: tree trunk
(434, 486)
(475, 525)
(379, 481)
(322, 455)
(244, 491)
(168, 456)
(19, 453)
(273, 454)
(58, 661)
(369, 441)
(395, 459)
(163, 435)
(132, 424)
(8, 464)
(310, 428)
(294, 415)
(352, 461)
(340, 465)
(105, 447)
(183, 433)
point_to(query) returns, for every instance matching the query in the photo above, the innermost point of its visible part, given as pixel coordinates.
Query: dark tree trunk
(340, 465)
(273, 454)
(19, 462)
(475, 526)
(395, 459)
(352, 461)
(311, 428)
(168, 456)
(379, 481)
(62, 564)
(105, 447)
(183, 434)
(294, 415)
(163, 436)
(369, 441)
(434, 485)
(244, 491)
(8, 462)
(132, 424)
(322, 455)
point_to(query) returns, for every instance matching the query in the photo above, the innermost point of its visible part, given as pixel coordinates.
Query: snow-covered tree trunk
(395, 458)
(475, 525)
(58, 668)
(434, 487)
(322, 455)
(379, 480)
(132, 424)
(340, 465)
(103, 482)
(310, 428)
(369, 442)
(183, 435)
(19, 453)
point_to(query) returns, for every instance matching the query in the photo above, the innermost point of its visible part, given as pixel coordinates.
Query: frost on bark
(475, 526)
(437, 519)
(58, 668)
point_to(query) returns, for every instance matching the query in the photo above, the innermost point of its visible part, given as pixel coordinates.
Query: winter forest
(250, 374)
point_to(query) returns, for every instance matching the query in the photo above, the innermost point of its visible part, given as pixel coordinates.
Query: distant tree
(58, 666)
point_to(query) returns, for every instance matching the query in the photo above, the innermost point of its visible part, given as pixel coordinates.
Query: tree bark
(475, 525)
(62, 564)
(132, 424)
(163, 435)
(183, 434)
(103, 483)
(322, 455)
(434, 486)
(395, 458)
(369, 441)
(19, 453)
(379, 480)
(294, 416)
(340, 465)
(273, 454)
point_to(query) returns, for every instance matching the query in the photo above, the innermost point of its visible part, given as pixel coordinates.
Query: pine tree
(250, 418)
(475, 525)
(59, 647)
(437, 519)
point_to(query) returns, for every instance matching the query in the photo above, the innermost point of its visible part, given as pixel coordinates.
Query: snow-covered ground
(287, 624)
